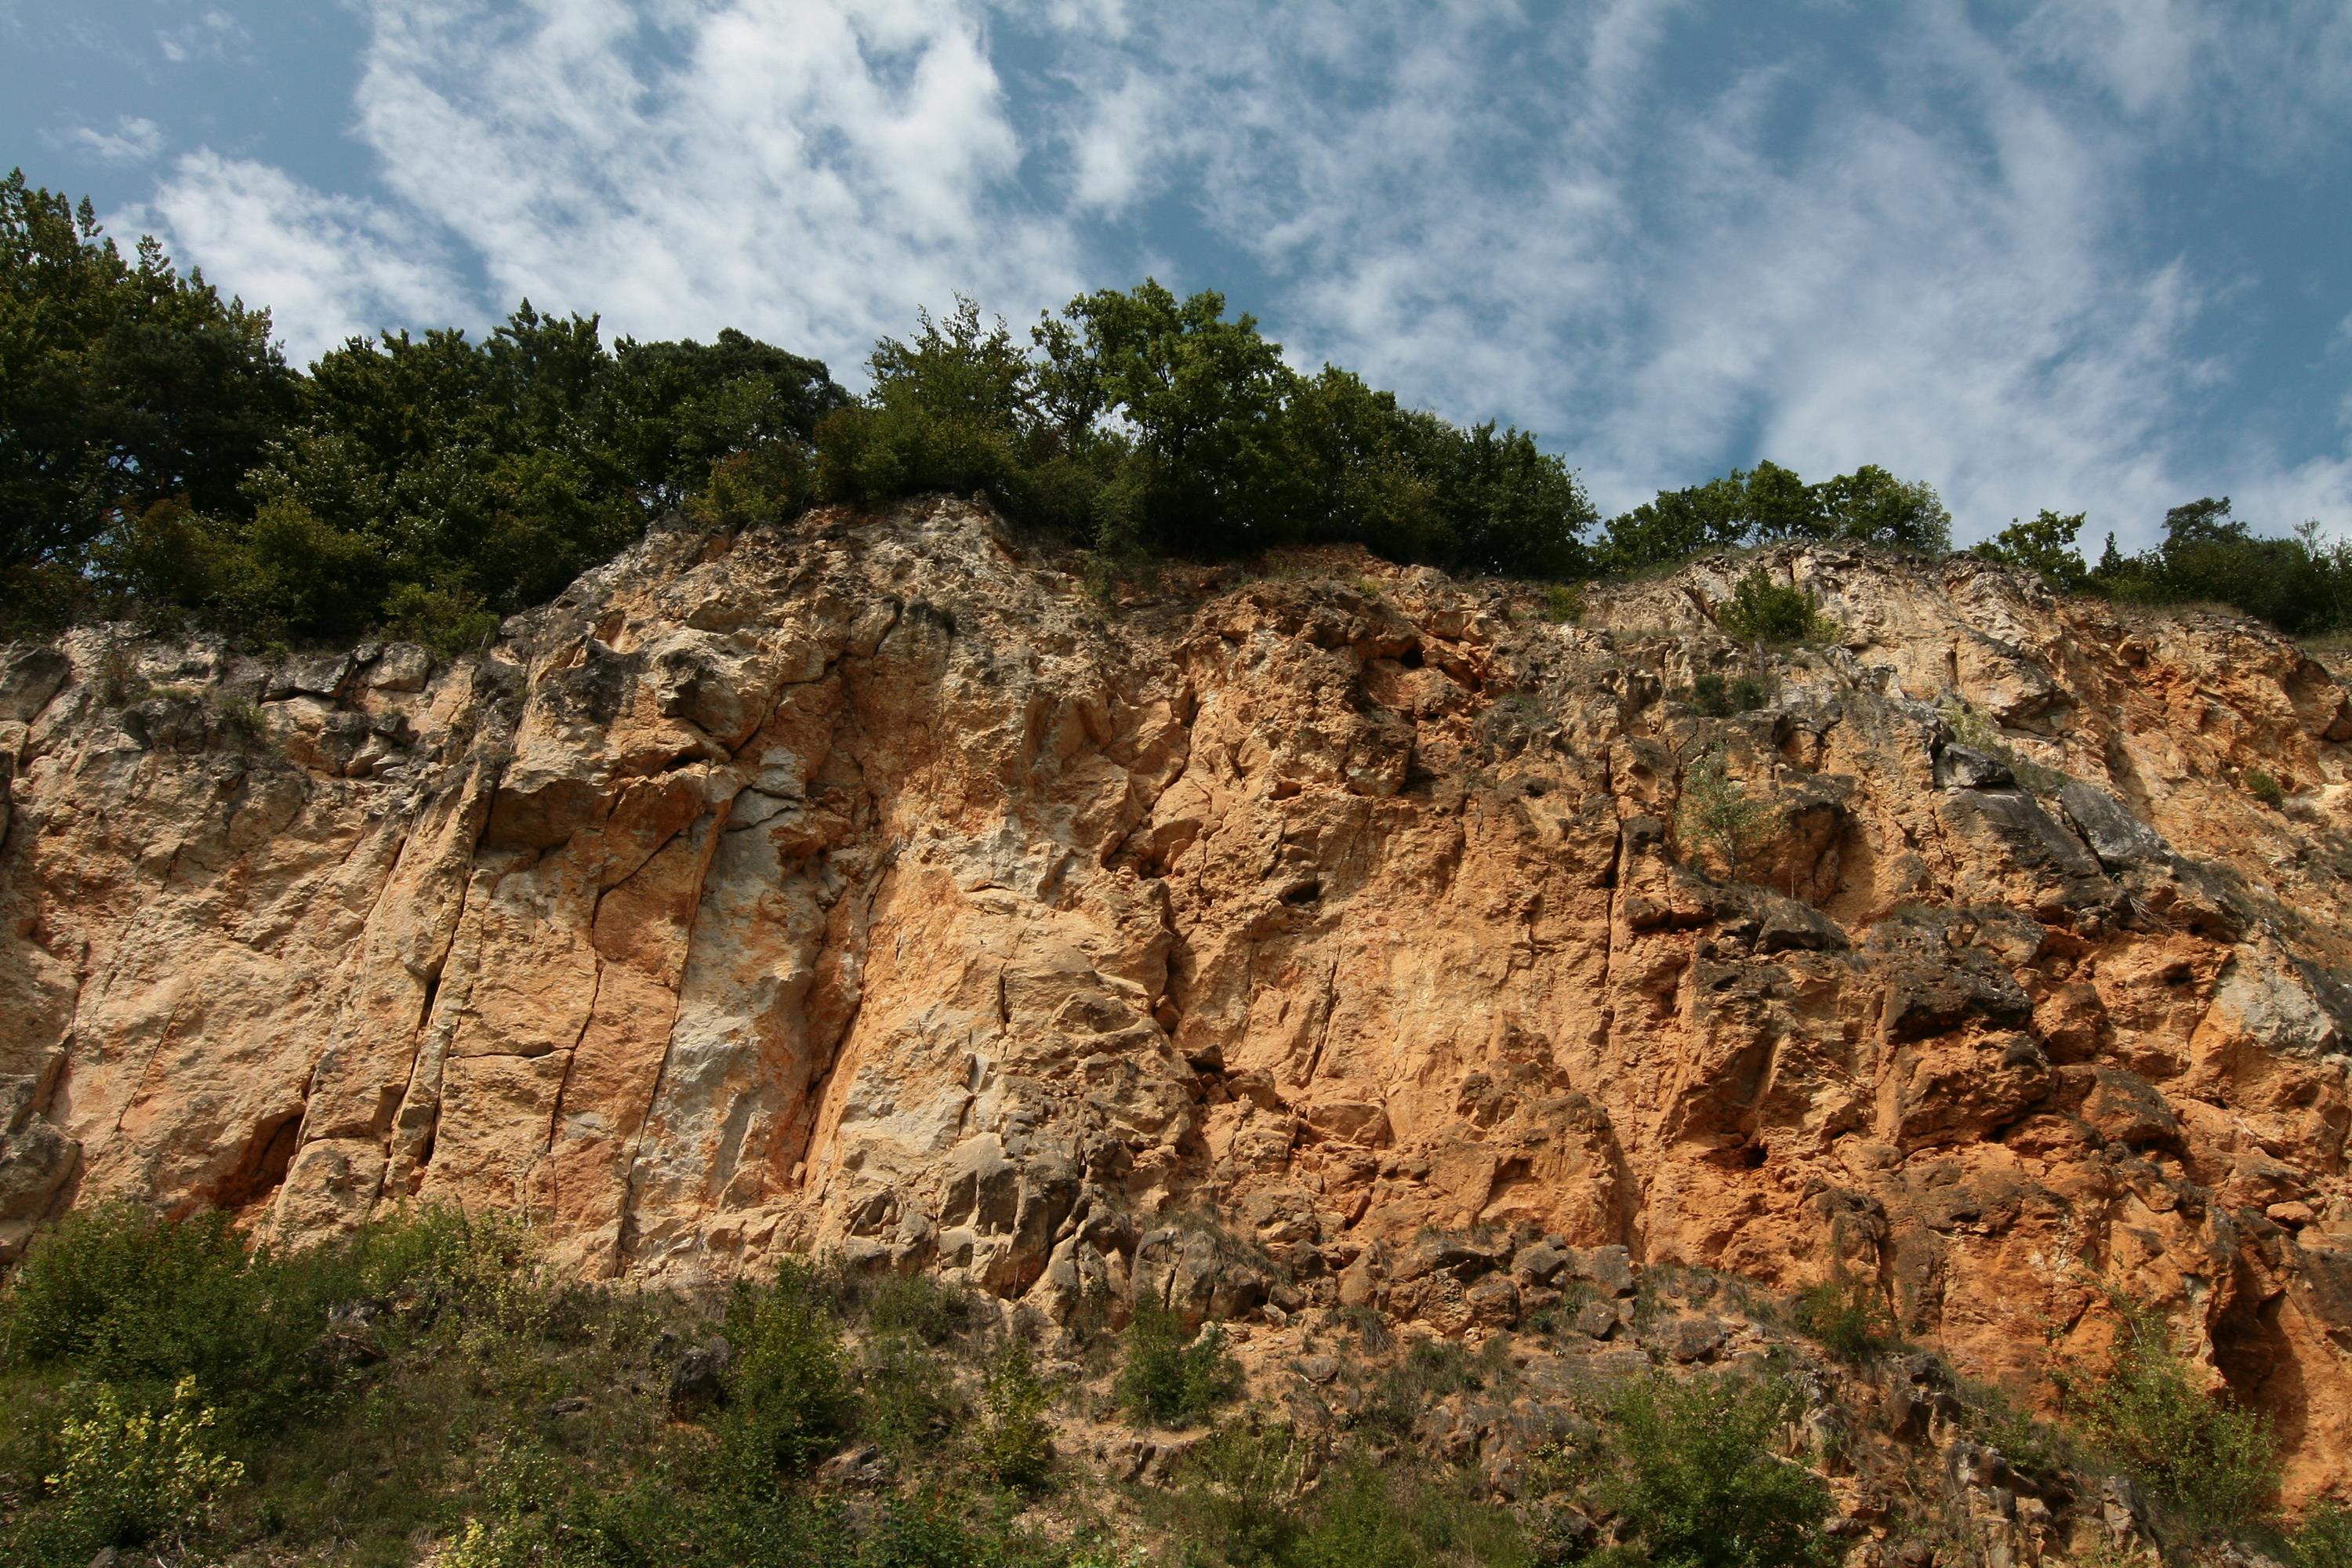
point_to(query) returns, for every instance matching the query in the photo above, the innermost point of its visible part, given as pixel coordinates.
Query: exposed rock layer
(867, 885)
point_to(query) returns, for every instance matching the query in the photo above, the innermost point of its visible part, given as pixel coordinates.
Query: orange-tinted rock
(866, 885)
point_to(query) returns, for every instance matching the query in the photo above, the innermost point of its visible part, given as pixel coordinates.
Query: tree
(2046, 546)
(1757, 506)
(123, 384)
(951, 411)
(1693, 1482)
(1204, 399)
(1874, 506)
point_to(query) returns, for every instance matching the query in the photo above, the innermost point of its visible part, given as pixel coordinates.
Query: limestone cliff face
(867, 885)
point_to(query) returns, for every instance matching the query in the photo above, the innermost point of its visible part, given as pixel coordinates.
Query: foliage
(2211, 1462)
(2033, 1445)
(1769, 502)
(125, 384)
(2045, 546)
(1014, 1445)
(132, 1476)
(1715, 813)
(1169, 1380)
(1241, 1491)
(2264, 787)
(1367, 1517)
(906, 1395)
(2324, 1539)
(1846, 1315)
(1426, 1372)
(1690, 1477)
(1562, 605)
(1761, 610)
(135, 1300)
(158, 456)
(919, 1306)
(1144, 424)
(1711, 696)
(2301, 584)
(790, 1399)
(159, 460)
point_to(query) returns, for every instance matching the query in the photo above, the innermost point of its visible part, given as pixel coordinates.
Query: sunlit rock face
(868, 885)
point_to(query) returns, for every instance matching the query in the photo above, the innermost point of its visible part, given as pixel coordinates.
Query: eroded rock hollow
(867, 885)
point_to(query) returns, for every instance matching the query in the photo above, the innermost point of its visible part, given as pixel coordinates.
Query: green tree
(1204, 399)
(1693, 1482)
(2203, 1457)
(1769, 502)
(788, 1394)
(122, 385)
(950, 411)
(2046, 546)
(1874, 506)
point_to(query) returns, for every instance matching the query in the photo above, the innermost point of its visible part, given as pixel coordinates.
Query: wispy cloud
(209, 36)
(133, 140)
(810, 168)
(328, 267)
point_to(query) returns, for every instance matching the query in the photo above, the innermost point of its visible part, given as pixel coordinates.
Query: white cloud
(209, 37)
(808, 169)
(133, 140)
(328, 267)
(2270, 83)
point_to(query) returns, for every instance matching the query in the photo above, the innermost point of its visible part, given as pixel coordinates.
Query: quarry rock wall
(868, 884)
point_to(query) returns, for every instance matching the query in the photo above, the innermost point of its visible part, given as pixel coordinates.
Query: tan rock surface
(867, 884)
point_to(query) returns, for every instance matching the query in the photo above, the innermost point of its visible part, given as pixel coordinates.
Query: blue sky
(2088, 254)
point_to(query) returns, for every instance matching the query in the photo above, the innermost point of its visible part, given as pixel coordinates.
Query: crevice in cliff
(473, 811)
(624, 1232)
(571, 1057)
(815, 1113)
(261, 1166)
(1329, 1006)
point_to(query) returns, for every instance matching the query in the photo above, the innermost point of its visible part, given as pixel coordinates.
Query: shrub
(1562, 605)
(2033, 1445)
(1846, 1315)
(1425, 1373)
(2324, 1539)
(918, 1305)
(1712, 696)
(1761, 610)
(452, 622)
(136, 1477)
(1362, 1516)
(126, 1296)
(1169, 1381)
(789, 1396)
(1016, 1444)
(908, 1400)
(2211, 1462)
(1715, 814)
(1690, 1477)
(2264, 788)
(1241, 1492)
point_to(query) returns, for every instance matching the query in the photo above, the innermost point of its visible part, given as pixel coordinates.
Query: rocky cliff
(870, 885)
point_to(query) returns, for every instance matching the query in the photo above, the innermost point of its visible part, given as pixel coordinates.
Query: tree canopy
(1768, 502)
(159, 458)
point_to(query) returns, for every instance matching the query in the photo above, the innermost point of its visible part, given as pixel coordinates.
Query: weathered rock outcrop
(867, 884)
